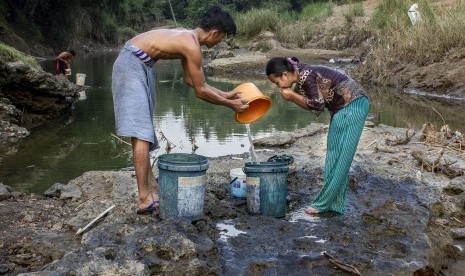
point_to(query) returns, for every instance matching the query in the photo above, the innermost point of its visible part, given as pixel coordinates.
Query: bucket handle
(232, 181)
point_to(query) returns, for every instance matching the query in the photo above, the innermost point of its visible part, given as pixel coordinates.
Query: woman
(317, 88)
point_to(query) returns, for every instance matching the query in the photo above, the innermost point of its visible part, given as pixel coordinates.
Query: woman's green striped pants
(344, 134)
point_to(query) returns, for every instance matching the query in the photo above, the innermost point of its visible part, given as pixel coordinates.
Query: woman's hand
(286, 93)
(346, 94)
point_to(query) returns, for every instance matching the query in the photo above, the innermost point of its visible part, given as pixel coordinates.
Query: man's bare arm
(192, 64)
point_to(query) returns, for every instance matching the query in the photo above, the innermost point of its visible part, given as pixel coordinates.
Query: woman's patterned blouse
(308, 87)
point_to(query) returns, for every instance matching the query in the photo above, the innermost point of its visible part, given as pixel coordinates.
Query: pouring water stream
(252, 149)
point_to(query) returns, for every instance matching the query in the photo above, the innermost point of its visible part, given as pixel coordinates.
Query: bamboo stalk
(172, 12)
(81, 230)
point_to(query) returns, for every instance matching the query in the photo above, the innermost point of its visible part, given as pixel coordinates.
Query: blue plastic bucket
(181, 181)
(266, 188)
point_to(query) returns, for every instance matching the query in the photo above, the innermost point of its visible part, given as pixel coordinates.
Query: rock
(5, 192)
(225, 54)
(29, 97)
(63, 191)
(456, 186)
(237, 65)
(176, 247)
(4, 269)
(369, 124)
(281, 140)
(387, 211)
(458, 233)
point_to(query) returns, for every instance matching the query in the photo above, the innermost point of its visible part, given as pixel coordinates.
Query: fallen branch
(120, 140)
(369, 145)
(399, 141)
(341, 265)
(435, 166)
(439, 146)
(385, 149)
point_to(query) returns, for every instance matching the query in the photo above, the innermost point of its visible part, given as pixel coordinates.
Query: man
(62, 63)
(133, 86)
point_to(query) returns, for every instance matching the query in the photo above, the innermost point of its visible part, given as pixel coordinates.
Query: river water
(83, 141)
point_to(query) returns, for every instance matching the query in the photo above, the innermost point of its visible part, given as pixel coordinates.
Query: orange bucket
(258, 103)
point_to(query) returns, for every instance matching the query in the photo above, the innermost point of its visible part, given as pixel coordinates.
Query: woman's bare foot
(311, 211)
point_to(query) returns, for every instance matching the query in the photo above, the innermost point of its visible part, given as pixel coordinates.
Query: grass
(316, 11)
(253, 22)
(388, 38)
(10, 54)
(355, 10)
(440, 30)
(289, 27)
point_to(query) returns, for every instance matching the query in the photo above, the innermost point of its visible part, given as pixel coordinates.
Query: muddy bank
(399, 218)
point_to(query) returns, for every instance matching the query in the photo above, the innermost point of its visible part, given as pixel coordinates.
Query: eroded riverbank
(399, 219)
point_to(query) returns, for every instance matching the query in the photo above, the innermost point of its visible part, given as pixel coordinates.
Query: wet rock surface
(398, 219)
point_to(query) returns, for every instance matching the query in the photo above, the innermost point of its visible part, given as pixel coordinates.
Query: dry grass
(439, 31)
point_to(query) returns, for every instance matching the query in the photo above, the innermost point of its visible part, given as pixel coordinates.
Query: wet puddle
(227, 230)
(385, 231)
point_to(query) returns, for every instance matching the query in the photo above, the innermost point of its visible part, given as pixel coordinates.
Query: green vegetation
(264, 46)
(355, 10)
(289, 26)
(63, 24)
(439, 31)
(316, 11)
(10, 54)
(253, 22)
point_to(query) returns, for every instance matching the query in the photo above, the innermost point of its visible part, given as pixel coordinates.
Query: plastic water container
(181, 181)
(259, 104)
(414, 14)
(80, 79)
(266, 188)
(238, 183)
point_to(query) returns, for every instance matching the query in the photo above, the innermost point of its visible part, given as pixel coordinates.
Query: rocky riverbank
(30, 97)
(400, 218)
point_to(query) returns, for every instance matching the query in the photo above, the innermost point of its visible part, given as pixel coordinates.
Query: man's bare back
(168, 43)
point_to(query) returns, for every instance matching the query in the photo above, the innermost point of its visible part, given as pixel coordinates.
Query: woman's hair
(279, 65)
(216, 18)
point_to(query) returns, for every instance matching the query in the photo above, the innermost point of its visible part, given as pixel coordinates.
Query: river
(83, 141)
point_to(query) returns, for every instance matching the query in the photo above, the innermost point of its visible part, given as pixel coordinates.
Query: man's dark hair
(72, 52)
(216, 18)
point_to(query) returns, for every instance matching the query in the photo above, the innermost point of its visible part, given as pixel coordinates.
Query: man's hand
(240, 105)
(232, 95)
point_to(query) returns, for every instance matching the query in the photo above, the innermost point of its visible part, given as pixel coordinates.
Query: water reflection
(82, 141)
